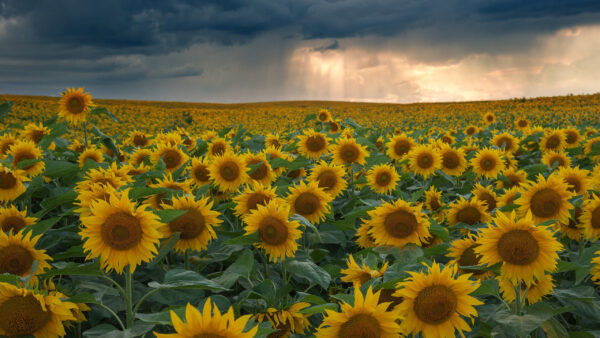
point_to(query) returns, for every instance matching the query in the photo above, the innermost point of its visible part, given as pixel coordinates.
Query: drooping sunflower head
(173, 157)
(313, 144)
(195, 226)
(424, 160)
(277, 233)
(546, 199)
(590, 218)
(360, 274)
(453, 160)
(210, 323)
(253, 196)
(540, 288)
(525, 250)
(95, 192)
(436, 301)
(398, 224)
(348, 151)
(324, 115)
(560, 160)
(310, 201)
(470, 212)
(11, 183)
(487, 195)
(366, 318)
(18, 252)
(433, 199)
(487, 162)
(27, 150)
(228, 171)
(74, 105)
(399, 146)
(553, 140)
(364, 239)
(382, 178)
(92, 154)
(28, 312)
(264, 173)
(286, 321)
(120, 234)
(329, 177)
(462, 253)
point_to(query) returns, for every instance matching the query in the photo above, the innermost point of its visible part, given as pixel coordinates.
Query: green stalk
(85, 138)
(518, 298)
(186, 257)
(128, 296)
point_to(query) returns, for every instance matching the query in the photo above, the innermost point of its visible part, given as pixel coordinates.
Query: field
(294, 219)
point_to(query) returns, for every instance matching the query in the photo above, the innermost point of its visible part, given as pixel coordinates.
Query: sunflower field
(299, 219)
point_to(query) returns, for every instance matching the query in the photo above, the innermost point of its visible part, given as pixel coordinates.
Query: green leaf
(165, 247)
(5, 109)
(319, 308)
(186, 279)
(242, 267)
(309, 117)
(103, 111)
(41, 227)
(74, 269)
(438, 230)
(345, 298)
(56, 168)
(308, 270)
(10, 278)
(86, 298)
(107, 141)
(244, 240)
(26, 163)
(136, 193)
(57, 131)
(169, 215)
(163, 317)
(307, 224)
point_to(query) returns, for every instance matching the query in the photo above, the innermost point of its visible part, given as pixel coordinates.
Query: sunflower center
(260, 172)
(557, 159)
(13, 223)
(488, 163)
(596, 218)
(76, 105)
(553, 142)
(322, 116)
(400, 223)
(307, 203)
(327, 180)
(382, 179)
(201, 173)
(140, 140)
(545, 203)
(574, 184)
(257, 199)
(361, 325)
(424, 161)
(273, 231)
(22, 316)
(514, 180)
(315, 143)
(294, 173)
(450, 160)
(364, 277)
(7, 180)
(401, 147)
(333, 127)
(434, 204)
(468, 258)
(522, 123)
(387, 296)
(37, 135)
(172, 158)
(571, 137)
(349, 153)
(518, 247)
(121, 231)
(489, 200)
(218, 149)
(490, 118)
(435, 304)
(190, 224)
(15, 259)
(230, 171)
(575, 220)
(469, 215)
(22, 156)
(506, 142)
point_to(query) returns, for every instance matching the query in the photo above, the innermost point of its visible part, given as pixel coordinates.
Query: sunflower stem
(109, 310)
(518, 299)
(85, 139)
(186, 257)
(128, 295)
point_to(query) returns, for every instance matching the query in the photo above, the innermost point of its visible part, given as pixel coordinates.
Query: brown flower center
(400, 223)
(327, 180)
(469, 215)
(201, 173)
(450, 160)
(470, 131)
(349, 153)
(294, 173)
(15, 259)
(489, 200)
(522, 123)
(22, 316)
(315, 143)
(387, 296)
(333, 127)
(424, 161)
(402, 147)
(229, 171)
(256, 199)
(140, 140)
(260, 172)
(518, 247)
(76, 105)
(545, 203)
(121, 231)
(435, 304)
(506, 142)
(487, 163)
(574, 184)
(573, 221)
(434, 203)
(172, 158)
(553, 142)
(469, 258)
(571, 137)
(14, 223)
(383, 179)
(37, 135)
(361, 325)
(322, 117)
(307, 203)
(273, 231)
(7, 180)
(22, 156)
(6, 146)
(596, 218)
(557, 159)
(190, 224)
(218, 149)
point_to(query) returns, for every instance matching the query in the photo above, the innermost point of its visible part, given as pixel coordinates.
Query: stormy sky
(241, 51)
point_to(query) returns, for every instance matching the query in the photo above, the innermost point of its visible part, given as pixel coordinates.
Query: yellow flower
(469, 212)
(324, 115)
(359, 275)
(424, 160)
(540, 288)
(489, 118)
(399, 146)
(310, 201)
(218, 146)
(590, 218)
(173, 157)
(329, 177)
(546, 200)
(487, 162)
(251, 197)
(462, 253)
(487, 195)
(11, 219)
(552, 158)
(75, 105)
(90, 153)
(506, 141)
(364, 239)
(228, 171)
(313, 144)
(382, 178)
(159, 200)
(264, 173)
(553, 140)
(398, 224)
(27, 150)
(18, 252)
(579, 180)
(138, 139)
(286, 321)
(11, 183)
(347, 151)
(453, 160)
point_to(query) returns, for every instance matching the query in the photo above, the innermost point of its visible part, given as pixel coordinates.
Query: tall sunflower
(525, 250)
(364, 239)
(35, 132)
(487, 162)
(228, 171)
(173, 157)
(470, 212)
(590, 218)
(324, 115)
(12, 219)
(506, 142)
(553, 140)
(313, 144)
(511, 178)
(433, 201)
(487, 195)
(74, 105)
(210, 323)
(264, 173)
(453, 160)
(579, 180)
(399, 146)
(27, 150)
(310, 201)
(11, 183)
(199, 171)
(359, 275)
(398, 224)
(6, 141)
(489, 118)
(509, 196)
(253, 196)
(18, 252)
(436, 302)
(329, 177)
(366, 318)
(138, 139)
(218, 147)
(540, 288)
(139, 155)
(28, 312)
(424, 160)
(382, 178)
(348, 151)
(462, 253)
(119, 233)
(547, 199)
(572, 137)
(277, 233)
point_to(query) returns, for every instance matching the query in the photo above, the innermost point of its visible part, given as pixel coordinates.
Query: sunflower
(173, 157)
(138, 139)
(119, 233)
(195, 226)
(590, 218)
(509, 197)
(487, 195)
(18, 252)
(462, 253)
(251, 197)
(487, 162)
(324, 116)
(469, 212)
(398, 224)
(471, 130)
(6, 141)
(313, 144)
(572, 137)
(453, 160)
(553, 140)
(595, 271)
(359, 275)
(74, 105)
(132, 170)
(11, 219)
(90, 153)
(522, 124)
(139, 155)
(572, 228)
(310, 201)
(99, 176)
(28, 312)
(27, 150)
(382, 178)
(180, 188)
(513, 178)
(506, 142)
(525, 250)
(334, 127)
(424, 160)
(435, 303)
(286, 321)
(264, 173)
(430, 241)
(11, 183)
(547, 199)
(94, 193)
(589, 145)
(579, 180)
(366, 318)
(329, 177)
(364, 239)
(273, 140)
(561, 160)
(35, 132)
(218, 146)
(228, 171)
(489, 118)
(277, 233)
(274, 153)
(209, 323)
(399, 146)
(540, 288)
(433, 200)
(347, 151)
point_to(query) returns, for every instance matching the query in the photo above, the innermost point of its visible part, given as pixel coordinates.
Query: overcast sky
(240, 51)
